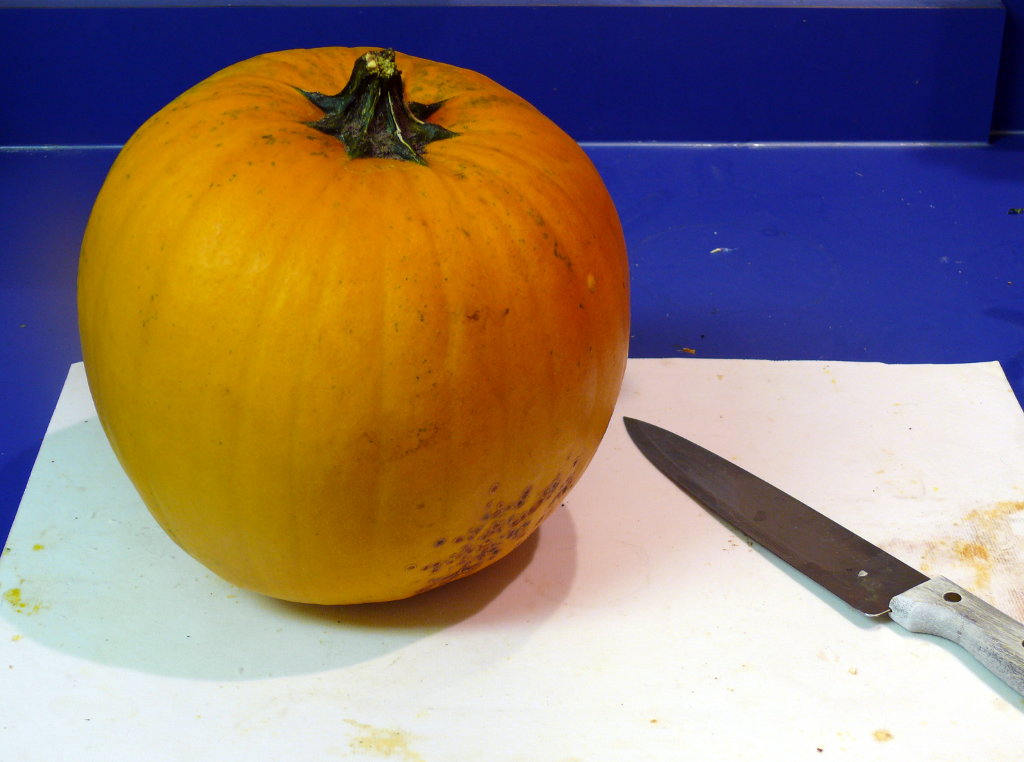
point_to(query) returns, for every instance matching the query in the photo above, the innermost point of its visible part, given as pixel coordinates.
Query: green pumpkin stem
(371, 116)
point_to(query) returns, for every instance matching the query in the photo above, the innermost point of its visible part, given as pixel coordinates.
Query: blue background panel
(628, 73)
(853, 253)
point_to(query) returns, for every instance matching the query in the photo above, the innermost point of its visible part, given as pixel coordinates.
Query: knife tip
(635, 426)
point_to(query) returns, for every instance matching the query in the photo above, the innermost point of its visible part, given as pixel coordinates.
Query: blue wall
(1009, 107)
(912, 71)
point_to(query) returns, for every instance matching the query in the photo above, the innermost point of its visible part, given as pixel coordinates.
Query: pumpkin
(351, 347)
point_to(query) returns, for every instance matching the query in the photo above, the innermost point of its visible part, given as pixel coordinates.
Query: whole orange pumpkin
(351, 347)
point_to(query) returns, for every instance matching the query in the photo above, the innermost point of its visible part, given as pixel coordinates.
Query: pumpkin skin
(337, 380)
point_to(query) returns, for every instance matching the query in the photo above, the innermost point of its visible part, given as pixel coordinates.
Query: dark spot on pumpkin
(424, 434)
(501, 527)
(562, 256)
(478, 101)
(475, 315)
(439, 542)
(550, 489)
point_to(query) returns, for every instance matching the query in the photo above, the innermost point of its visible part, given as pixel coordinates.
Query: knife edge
(860, 573)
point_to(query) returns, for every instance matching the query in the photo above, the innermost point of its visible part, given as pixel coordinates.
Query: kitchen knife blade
(860, 573)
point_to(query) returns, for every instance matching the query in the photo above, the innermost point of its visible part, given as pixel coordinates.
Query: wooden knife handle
(943, 608)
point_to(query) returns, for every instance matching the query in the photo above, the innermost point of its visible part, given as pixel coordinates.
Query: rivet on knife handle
(943, 608)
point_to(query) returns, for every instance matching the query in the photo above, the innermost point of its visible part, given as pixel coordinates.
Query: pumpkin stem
(371, 116)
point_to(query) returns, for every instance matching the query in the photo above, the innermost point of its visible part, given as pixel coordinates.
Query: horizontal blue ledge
(899, 253)
(846, 4)
(919, 71)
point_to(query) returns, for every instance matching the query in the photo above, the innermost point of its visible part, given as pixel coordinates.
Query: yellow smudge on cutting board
(13, 597)
(882, 735)
(382, 742)
(827, 370)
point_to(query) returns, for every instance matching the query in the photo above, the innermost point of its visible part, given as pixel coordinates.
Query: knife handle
(943, 608)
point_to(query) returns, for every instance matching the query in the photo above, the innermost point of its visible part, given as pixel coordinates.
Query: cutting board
(631, 626)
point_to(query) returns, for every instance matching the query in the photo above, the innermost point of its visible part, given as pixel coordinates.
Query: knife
(863, 575)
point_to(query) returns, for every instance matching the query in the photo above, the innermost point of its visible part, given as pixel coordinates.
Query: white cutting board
(632, 626)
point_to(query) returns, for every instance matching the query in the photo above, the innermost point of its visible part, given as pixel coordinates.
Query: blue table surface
(892, 253)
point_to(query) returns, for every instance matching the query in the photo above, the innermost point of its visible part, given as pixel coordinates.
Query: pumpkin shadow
(88, 572)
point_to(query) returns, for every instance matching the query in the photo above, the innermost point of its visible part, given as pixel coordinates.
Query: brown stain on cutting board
(976, 556)
(988, 548)
(998, 516)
